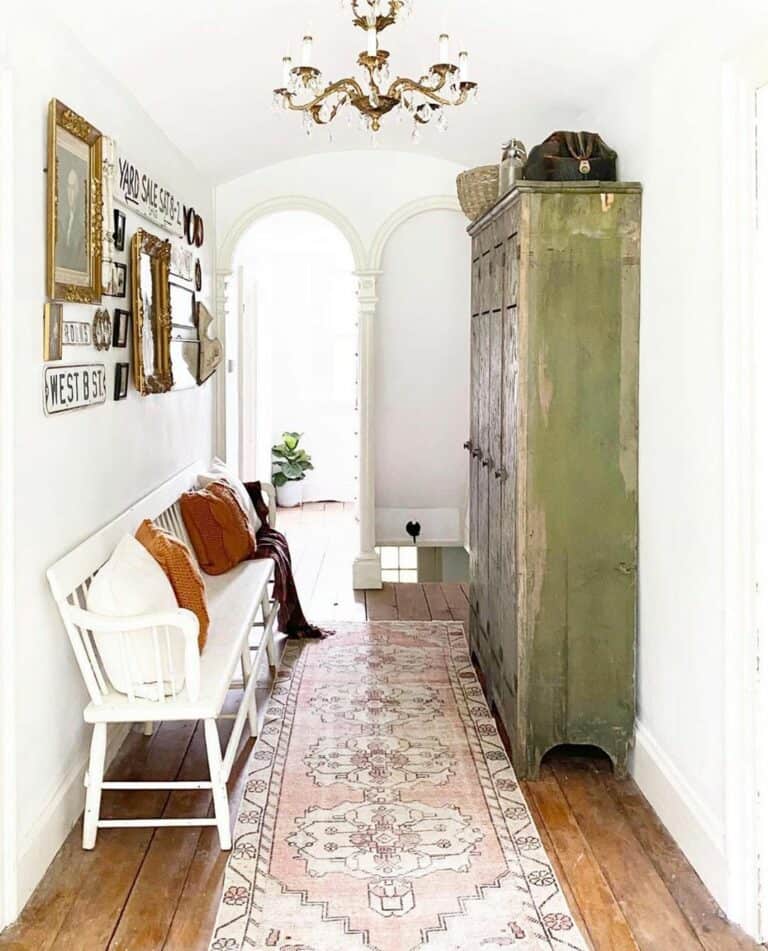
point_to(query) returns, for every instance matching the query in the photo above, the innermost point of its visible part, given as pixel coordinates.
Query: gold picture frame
(151, 295)
(74, 207)
(53, 331)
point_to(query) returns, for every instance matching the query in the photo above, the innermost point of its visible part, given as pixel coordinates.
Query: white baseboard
(53, 826)
(366, 572)
(697, 831)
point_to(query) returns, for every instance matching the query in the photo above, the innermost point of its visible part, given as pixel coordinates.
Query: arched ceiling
(204, 71)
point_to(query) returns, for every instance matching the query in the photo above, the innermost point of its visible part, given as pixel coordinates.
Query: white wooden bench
(241, 634)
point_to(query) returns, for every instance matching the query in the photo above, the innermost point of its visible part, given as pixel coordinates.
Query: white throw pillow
(132, 583)
(220, 472)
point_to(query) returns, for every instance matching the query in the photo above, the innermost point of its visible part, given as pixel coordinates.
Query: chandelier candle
(444, 84)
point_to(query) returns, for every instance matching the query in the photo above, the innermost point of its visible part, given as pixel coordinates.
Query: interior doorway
(298, 349)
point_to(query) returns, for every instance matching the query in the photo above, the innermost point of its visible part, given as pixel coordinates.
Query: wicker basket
(478, 190)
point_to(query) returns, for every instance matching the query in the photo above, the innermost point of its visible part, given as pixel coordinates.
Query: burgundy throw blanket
(273, 544)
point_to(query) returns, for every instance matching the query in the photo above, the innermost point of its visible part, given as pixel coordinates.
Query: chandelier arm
(401, 85)
(348, 85)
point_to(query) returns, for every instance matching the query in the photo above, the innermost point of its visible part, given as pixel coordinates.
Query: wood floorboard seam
(151, 839)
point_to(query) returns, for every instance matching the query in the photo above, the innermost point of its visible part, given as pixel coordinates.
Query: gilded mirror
(151, 268)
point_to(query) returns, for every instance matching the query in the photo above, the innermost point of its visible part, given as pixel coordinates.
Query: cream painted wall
(422, 378)
(666, 121)
(75, 472)
(367, 188)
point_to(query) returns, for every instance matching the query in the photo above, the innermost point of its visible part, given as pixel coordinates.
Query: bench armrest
(182, 620)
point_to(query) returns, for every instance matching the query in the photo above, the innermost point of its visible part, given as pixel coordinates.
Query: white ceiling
(205, 71)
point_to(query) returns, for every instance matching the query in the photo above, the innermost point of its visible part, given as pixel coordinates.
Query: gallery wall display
(77, 333)
(211, 349)
(53, 331)
(73, 387)
(121, 381)
(150, 267)
(74, 207)
(120, 325)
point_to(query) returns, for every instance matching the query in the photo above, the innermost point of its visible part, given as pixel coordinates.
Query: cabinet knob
(477, 453)
(486, 463)
(468, 444)
(501, 474)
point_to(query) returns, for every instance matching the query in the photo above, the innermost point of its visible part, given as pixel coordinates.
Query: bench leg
(149, 727)
(93, 781)
(220, 799)
(253, 713)
(266, 607)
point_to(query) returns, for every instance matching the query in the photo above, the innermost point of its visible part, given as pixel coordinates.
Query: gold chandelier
(445, 84)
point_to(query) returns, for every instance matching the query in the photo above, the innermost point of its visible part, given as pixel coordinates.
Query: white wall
(366, 189)
(422, 378)
(75, 472)
(666, 122)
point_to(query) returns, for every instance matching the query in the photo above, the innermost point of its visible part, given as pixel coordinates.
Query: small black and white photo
(121, 380)
(119, 281)
(120, 325)
(119, 232)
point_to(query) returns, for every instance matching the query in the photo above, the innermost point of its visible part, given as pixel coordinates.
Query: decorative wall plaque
(138, 190)
(77, 333)
(211, 350)
(72, 387)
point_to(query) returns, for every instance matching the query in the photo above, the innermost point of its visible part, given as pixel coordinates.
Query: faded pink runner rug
(381, 810)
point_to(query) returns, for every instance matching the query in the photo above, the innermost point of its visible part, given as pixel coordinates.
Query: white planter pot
(290, 495)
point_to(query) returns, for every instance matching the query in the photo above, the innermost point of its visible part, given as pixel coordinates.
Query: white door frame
(367, 566)
(745, 616)
(8, 880)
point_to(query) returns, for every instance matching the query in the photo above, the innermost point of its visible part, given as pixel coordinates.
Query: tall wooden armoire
(553, 472)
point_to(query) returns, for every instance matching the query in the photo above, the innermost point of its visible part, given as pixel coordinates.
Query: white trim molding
(411, 210)
(746, 822)
(693, 826)
(56, 820)
(274, 206)
(9, 904)
(366, 570)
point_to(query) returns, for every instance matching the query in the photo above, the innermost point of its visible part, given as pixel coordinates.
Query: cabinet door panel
(482, 477)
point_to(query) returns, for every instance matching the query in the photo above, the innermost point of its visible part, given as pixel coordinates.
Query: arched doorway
(297, 347)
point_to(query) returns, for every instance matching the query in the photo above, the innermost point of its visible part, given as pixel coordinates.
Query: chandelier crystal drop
(444, 84)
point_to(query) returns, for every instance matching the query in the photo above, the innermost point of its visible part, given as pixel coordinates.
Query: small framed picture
(120, 331)
(53, 321)
(119, 232)
(198, 276)
(121, 381)
(119, 281)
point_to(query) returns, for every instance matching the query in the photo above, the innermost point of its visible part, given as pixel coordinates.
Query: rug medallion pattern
(381, 810)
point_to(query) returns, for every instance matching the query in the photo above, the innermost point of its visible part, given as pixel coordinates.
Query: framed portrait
(119, 232)
(120, 325)
(53, 331)
(121, 381)
(74, 207)
(118, 284)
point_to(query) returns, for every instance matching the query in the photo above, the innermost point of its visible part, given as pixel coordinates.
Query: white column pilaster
(366, 572)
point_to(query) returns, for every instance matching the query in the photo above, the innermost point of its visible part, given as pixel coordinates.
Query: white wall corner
(697, 831)
(55, 823)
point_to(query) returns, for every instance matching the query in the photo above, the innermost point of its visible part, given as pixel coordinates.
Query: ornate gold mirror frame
(150, 277)
(74, 207)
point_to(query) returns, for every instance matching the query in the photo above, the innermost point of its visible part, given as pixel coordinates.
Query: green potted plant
(289, 469)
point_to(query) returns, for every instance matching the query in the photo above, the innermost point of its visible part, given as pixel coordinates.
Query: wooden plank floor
(627, 884)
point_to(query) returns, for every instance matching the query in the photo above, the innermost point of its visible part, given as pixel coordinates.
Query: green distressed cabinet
(553, 471)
